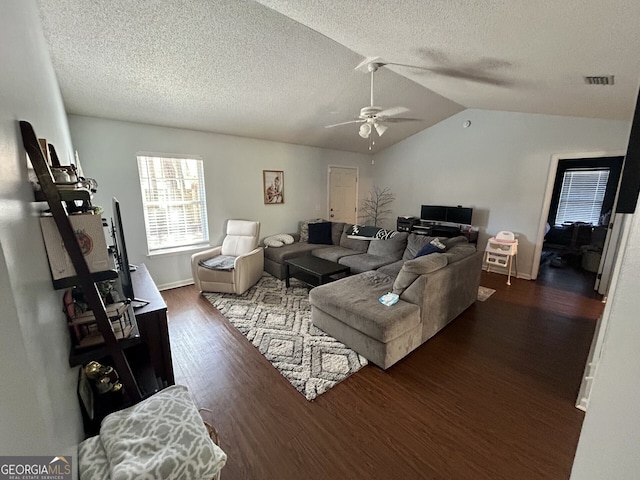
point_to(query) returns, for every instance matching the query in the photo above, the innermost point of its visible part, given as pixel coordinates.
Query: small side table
(502, 253)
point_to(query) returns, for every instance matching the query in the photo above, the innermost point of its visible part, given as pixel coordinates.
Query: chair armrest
(195, 259)
(247, 257)
(205, 255)
(248, 269)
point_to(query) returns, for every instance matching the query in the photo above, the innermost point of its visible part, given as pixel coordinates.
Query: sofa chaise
(433, 289)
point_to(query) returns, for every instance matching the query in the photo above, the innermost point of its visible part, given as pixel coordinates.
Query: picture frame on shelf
(273, 186)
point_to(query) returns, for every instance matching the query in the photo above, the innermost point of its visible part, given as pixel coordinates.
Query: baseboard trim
(179, 283)
(522, 276)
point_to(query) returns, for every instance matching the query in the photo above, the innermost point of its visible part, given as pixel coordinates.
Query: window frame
(613, 163)
(170, 202)
(588, 184)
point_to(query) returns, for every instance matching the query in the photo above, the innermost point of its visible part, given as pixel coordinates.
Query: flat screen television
(120, 251)
(440, 213)
(461, 215)
(433, 213)
(122, 259)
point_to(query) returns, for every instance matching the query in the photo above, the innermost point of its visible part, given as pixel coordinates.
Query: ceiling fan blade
(393, 111)
(398, 119)
(407, 65)
(363, 66)
(344, 123)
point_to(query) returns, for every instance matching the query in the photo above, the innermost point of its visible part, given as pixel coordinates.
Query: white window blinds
(582, 195)
(173, 199)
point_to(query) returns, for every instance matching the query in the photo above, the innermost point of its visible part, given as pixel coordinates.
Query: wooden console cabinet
(152, 323)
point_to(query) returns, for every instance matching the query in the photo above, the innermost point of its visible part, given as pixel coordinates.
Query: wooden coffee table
(312, 270)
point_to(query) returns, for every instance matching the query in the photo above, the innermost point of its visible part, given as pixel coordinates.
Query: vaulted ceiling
(282, 70)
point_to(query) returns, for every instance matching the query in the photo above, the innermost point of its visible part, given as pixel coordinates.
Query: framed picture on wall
(273, 185)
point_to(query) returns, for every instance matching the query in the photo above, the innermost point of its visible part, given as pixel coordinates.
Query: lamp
(380, 128)
(365, 130)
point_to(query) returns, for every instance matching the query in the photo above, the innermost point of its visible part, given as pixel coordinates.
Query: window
(173, 199)
(582, 194)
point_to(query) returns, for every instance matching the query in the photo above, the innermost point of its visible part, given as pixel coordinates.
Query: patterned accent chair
(233, 267)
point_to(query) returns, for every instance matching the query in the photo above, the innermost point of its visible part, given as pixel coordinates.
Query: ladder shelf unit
(57, 200)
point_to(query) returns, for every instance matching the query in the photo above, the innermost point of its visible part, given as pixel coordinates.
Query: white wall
(39, 412)
(608, 446)
(499, 166)
(233, 179)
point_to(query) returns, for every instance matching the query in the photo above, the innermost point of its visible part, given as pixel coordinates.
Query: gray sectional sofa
(433, 290)
(359, 255)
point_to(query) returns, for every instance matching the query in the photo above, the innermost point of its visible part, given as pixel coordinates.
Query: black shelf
(85, 355)
(66, 195)
(106, 403)
(145, 375)
(68, 282)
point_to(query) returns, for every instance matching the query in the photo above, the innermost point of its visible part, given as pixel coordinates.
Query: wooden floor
(490, 397)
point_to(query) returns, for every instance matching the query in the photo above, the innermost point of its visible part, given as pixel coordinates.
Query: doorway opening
(578, 221)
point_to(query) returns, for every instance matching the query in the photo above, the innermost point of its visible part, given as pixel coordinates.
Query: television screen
(461, 215)
(434, 213)
(122, 260)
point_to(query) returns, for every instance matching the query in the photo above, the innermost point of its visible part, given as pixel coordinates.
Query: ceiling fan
(373, 117)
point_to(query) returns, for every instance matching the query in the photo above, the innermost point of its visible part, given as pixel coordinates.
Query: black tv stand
(445, 231)
(422, 227)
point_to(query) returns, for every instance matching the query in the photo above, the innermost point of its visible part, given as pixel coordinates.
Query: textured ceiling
(282, 70)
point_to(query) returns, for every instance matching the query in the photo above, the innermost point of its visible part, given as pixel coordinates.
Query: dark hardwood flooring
(489, 397)
(570, 276)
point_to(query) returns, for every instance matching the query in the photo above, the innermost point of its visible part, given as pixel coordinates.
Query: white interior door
(343, 194)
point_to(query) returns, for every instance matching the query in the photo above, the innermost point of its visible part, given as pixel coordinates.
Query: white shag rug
(277, 321)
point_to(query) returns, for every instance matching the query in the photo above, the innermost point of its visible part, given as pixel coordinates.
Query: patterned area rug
(277, 321)
(484, 293)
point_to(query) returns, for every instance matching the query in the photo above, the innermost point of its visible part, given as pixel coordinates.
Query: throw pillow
(278, 240)
(384, 234)
(304, 228)
(346, 241)
(434, 246)
(414, 243)
(362, 232)
(320, 233)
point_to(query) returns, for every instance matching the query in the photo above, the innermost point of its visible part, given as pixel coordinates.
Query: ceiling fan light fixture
(380, 128)
(365, 130)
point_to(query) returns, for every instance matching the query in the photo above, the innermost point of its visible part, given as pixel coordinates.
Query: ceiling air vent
(599, 80)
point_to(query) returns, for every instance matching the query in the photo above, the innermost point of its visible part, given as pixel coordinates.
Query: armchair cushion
(221, 262)
(242, 237)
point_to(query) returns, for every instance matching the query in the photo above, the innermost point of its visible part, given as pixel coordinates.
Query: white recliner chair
(233, 267)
